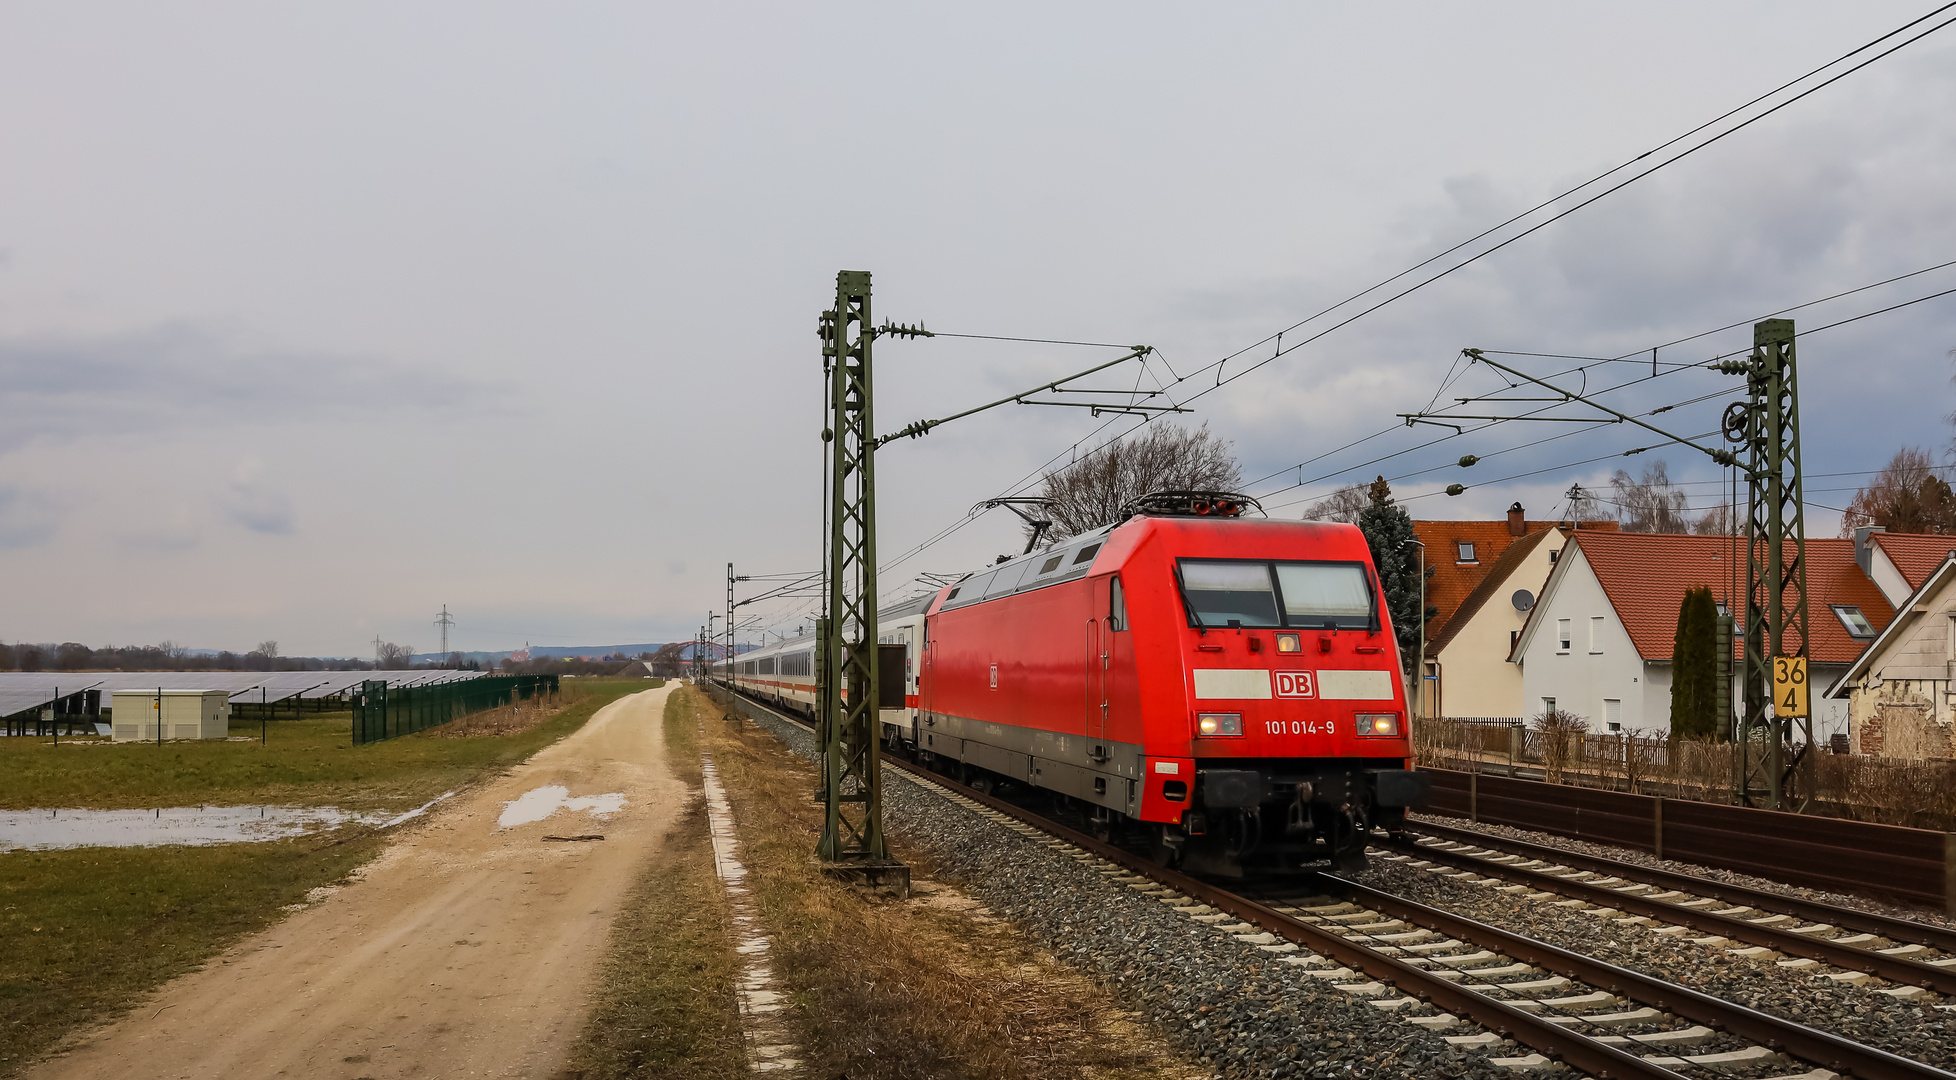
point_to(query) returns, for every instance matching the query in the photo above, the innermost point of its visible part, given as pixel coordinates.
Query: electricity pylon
(444, 621)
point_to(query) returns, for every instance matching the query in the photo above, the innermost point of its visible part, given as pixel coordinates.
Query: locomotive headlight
(1379, 723)
(1290, 643)
(1219, 723)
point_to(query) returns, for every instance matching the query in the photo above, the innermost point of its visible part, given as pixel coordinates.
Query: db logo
(1293, 684)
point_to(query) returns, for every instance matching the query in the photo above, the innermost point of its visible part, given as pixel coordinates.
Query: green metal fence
(380, 713)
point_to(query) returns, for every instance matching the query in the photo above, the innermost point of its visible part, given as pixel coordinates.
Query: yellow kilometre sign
(1789, 686)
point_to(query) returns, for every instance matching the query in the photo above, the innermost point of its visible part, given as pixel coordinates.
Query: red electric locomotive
(1226, 689)
(1231, 686)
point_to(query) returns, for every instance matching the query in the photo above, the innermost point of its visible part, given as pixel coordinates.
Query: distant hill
(595, 652)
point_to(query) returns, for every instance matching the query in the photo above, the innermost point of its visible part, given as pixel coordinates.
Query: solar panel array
(24, 690)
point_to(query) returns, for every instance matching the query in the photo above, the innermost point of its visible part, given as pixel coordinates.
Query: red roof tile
(1646, 575)
(1916, 555)
(1452, 579)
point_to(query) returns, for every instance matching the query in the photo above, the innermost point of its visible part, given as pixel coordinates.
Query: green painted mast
(1773, 757)
(852, 783)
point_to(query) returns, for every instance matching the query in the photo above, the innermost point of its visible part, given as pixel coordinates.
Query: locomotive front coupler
(1297, 818)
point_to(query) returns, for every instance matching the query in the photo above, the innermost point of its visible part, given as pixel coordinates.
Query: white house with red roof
(1901, 691)
(1598, 642)
(1484, 574)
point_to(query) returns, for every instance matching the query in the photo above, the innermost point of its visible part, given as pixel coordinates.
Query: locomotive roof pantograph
(1220, 504)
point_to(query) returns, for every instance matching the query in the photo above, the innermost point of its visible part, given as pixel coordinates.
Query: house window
(1466, 548)
(1952, 636)
(1595, 634)
(1554, 555)
(1857, 624)
(1548, 706)
(1562, 635)
(1613, 715)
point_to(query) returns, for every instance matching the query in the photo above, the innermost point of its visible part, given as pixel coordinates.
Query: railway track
(1850, 919)
(1855, 944)
(1451, 974)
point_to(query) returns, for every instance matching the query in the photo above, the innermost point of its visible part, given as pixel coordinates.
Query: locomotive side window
(1116, 605)
(1050, 565)
(1317, 593)
(1223, 592)
(1086, 554)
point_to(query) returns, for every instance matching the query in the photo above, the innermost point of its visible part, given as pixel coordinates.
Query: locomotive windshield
(1301, 594)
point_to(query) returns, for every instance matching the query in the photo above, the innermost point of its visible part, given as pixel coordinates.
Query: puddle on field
(196, 826)
(539, 803)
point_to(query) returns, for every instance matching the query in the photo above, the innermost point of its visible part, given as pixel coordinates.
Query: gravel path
(1643, 858)
(1915, 1029)
(1242, 1011)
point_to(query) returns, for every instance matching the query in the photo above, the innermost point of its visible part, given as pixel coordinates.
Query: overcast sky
(313, 320)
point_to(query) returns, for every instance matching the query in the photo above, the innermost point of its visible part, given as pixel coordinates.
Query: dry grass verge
(665, 1006)
(930, 987)
(518, 716)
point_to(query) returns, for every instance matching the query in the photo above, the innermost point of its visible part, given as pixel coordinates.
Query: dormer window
(1857, 625)
(1466, 549)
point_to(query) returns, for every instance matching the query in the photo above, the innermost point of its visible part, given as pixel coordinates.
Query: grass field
(303, 762)
(84, 933)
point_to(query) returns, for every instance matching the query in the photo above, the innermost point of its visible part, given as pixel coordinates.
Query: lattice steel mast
(1773, 753)
(846, 694)
(1773, 761)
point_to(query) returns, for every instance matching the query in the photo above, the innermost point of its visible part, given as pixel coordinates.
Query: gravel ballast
(1914, 1029)
(1240, 1010)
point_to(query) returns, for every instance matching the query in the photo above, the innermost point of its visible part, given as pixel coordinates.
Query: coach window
(1116, 605)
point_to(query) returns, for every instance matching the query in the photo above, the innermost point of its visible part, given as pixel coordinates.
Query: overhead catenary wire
(1635, 356)
(1281, 349)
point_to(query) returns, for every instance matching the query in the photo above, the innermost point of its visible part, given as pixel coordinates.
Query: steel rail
(1809, 1044)
(1554, 1040)
(1888, 926)
(1893, 968)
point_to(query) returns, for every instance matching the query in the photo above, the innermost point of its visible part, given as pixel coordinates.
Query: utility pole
(847, 705)
(1773, 755)
(444, 622)
(1419, 683)
(730, 607)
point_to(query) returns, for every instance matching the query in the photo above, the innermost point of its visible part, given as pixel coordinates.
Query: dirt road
(466, 949)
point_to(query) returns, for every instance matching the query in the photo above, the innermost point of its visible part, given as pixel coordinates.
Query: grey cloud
(162, 529)
(176, 376)
(27, 518)
(254, 506)
(1829, 201)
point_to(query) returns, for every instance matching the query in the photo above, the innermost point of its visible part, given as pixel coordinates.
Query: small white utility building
(184, 714)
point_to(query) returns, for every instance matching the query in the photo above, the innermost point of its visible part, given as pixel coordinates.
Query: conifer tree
(1694, 667)
(1387, 527)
